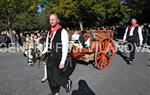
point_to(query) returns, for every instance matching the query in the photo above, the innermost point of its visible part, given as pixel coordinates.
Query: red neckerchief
(133, 25)
(53, 30)
(86, 37)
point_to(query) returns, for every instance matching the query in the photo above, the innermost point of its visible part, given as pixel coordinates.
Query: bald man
(57, 48)
(133, 35)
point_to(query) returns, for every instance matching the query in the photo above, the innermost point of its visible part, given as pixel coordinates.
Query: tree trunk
(10, 28)
(81, 25)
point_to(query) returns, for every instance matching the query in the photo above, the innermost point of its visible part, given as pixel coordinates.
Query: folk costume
(133, 35)
(57, 49)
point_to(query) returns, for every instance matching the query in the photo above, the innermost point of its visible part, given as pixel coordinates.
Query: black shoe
(56, 94)
(43, 80)
(69, 86)
(130, 61)
(148, 65)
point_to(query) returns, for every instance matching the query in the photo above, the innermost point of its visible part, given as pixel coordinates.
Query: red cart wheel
(104, 54)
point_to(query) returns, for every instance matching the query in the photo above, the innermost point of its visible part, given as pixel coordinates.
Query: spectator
(81, 38)
(75, 36)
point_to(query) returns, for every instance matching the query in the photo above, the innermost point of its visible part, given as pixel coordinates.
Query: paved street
(17, 78)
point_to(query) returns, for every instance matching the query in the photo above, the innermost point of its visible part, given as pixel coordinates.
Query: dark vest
(57, 44)
(135, 37)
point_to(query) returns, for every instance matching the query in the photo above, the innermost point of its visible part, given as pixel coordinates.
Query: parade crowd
(19, 38)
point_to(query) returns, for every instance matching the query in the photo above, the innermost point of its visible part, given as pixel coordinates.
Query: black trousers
(132, 48)
(57, 78)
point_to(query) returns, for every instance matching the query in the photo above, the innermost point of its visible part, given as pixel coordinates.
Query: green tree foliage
(112, 11)
(22, 15)
(66, 7)
(9, 9)
(140, 9)
(79, 10)
(99, 11)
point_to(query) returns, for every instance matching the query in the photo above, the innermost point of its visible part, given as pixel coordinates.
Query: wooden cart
(101, 51)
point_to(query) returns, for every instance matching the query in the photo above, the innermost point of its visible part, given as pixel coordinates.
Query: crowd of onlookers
(20, 38)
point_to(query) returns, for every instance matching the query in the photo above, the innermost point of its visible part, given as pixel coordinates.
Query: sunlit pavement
(17, 78)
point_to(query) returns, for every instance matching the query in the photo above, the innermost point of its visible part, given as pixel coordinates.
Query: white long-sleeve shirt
(65, 44)
(131, 33)
(75, 37)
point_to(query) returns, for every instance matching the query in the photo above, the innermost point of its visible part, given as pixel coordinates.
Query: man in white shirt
(133, 35)
(57, 49)
(75, 36)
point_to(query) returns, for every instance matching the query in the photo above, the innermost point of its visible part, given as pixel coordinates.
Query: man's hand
(61, 66)
(123, 42)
